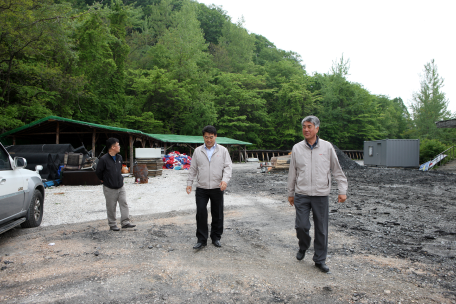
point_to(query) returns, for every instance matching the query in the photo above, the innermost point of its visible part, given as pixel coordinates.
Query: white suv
(21, 193)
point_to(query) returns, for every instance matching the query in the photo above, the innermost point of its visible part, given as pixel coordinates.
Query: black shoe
(217, 243)
(114, 228)
(322, 267)
(199, 246)
(300, 255)
(128, 226)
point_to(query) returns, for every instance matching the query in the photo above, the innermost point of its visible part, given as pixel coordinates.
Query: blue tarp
(52, 183)
(428, 165)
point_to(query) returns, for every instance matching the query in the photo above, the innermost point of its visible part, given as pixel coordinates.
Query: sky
(387, 42)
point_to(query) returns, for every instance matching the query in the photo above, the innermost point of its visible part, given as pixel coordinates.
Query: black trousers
(202, 198)
(320, 212)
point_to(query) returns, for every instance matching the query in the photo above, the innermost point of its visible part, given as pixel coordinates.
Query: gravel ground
(393, 241)
(166, 193)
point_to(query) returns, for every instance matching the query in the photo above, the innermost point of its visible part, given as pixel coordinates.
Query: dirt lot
(393, 241)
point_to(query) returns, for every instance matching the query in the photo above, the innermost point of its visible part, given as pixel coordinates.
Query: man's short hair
(111, 142)
(311, 119)
(210, 130)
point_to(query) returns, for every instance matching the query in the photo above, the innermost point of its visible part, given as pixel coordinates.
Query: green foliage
(175, 66)
(429, 104)
(349, 114)
(235, 50)
(241, 109)
(430, 148)
(212, 20)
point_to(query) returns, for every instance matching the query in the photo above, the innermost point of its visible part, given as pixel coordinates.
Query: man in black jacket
(109, 172)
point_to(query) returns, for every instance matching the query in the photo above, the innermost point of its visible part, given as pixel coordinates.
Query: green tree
(394, 117)
(349, 114)
(182, 48)
(234, 52)
(212, 19)
(102, 51)
(240, 106)
(429, 104)
(36, 56)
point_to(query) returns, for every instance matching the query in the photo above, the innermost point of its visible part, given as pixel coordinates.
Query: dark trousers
(202, 197)
(320, 211)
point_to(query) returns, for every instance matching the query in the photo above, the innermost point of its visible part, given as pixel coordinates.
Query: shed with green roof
(55, 130)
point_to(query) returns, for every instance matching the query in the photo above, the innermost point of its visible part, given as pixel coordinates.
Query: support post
(94, 139)
(57, 134)
(131, 154)
(245, 153)
(14, 140)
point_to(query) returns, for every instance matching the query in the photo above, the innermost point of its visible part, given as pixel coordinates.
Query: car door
(12, 193)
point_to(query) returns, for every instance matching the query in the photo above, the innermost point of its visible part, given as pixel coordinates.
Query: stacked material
(154, 165)
(281, 162)
(177, 161)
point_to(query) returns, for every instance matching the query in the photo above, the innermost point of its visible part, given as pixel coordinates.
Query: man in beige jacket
(309, 184)
(211, 168)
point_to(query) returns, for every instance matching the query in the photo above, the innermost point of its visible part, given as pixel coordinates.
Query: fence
(354, 154)
(266, 155)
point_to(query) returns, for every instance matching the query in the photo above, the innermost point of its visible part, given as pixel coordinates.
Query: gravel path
(393, 241)
(76, 204)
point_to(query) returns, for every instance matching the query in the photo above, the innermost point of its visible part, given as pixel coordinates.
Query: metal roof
(169, 138)
(57, 118)
(173, 138)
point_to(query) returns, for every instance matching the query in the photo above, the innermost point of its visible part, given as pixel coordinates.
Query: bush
(430, 148)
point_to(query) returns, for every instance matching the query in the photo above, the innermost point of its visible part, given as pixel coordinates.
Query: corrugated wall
(403, 153)
(392, 153)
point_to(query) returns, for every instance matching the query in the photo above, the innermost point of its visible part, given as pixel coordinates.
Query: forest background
(175, 66)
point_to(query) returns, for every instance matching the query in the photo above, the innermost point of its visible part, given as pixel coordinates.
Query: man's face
(209, 139)
(116, 148)
(309, 131)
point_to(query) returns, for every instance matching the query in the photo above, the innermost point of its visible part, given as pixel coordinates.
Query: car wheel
(35, 211)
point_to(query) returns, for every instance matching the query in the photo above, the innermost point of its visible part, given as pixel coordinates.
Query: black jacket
(110, 172)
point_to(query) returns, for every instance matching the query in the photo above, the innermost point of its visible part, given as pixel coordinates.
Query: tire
(35, 211)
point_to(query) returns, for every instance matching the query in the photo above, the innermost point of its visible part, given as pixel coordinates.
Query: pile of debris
(177, 161)
(345, 161)
(54, 158)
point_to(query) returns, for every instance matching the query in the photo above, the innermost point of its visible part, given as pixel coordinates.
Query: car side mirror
(20, 163)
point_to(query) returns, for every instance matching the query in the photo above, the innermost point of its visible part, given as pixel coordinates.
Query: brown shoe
(128, 226)
(114, 228)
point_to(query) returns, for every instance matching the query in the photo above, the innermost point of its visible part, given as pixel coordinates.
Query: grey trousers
(320, 211)
(113, 196)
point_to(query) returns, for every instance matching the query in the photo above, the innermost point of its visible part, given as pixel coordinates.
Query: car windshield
(4, 160)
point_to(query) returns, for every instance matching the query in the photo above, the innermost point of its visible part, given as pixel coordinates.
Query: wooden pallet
(281, 162)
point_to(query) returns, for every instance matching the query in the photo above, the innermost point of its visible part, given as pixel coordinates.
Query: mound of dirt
(345, 161)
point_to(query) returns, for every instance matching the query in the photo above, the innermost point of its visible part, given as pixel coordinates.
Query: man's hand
(101, 181)
(342, 198)
(291, 200)
(223, 186)
(189, 189)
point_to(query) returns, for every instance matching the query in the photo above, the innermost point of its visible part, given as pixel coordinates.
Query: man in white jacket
(309, 185)
(211, 167)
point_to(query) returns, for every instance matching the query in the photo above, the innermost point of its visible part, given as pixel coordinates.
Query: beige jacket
(209, 174)
(310, 170)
